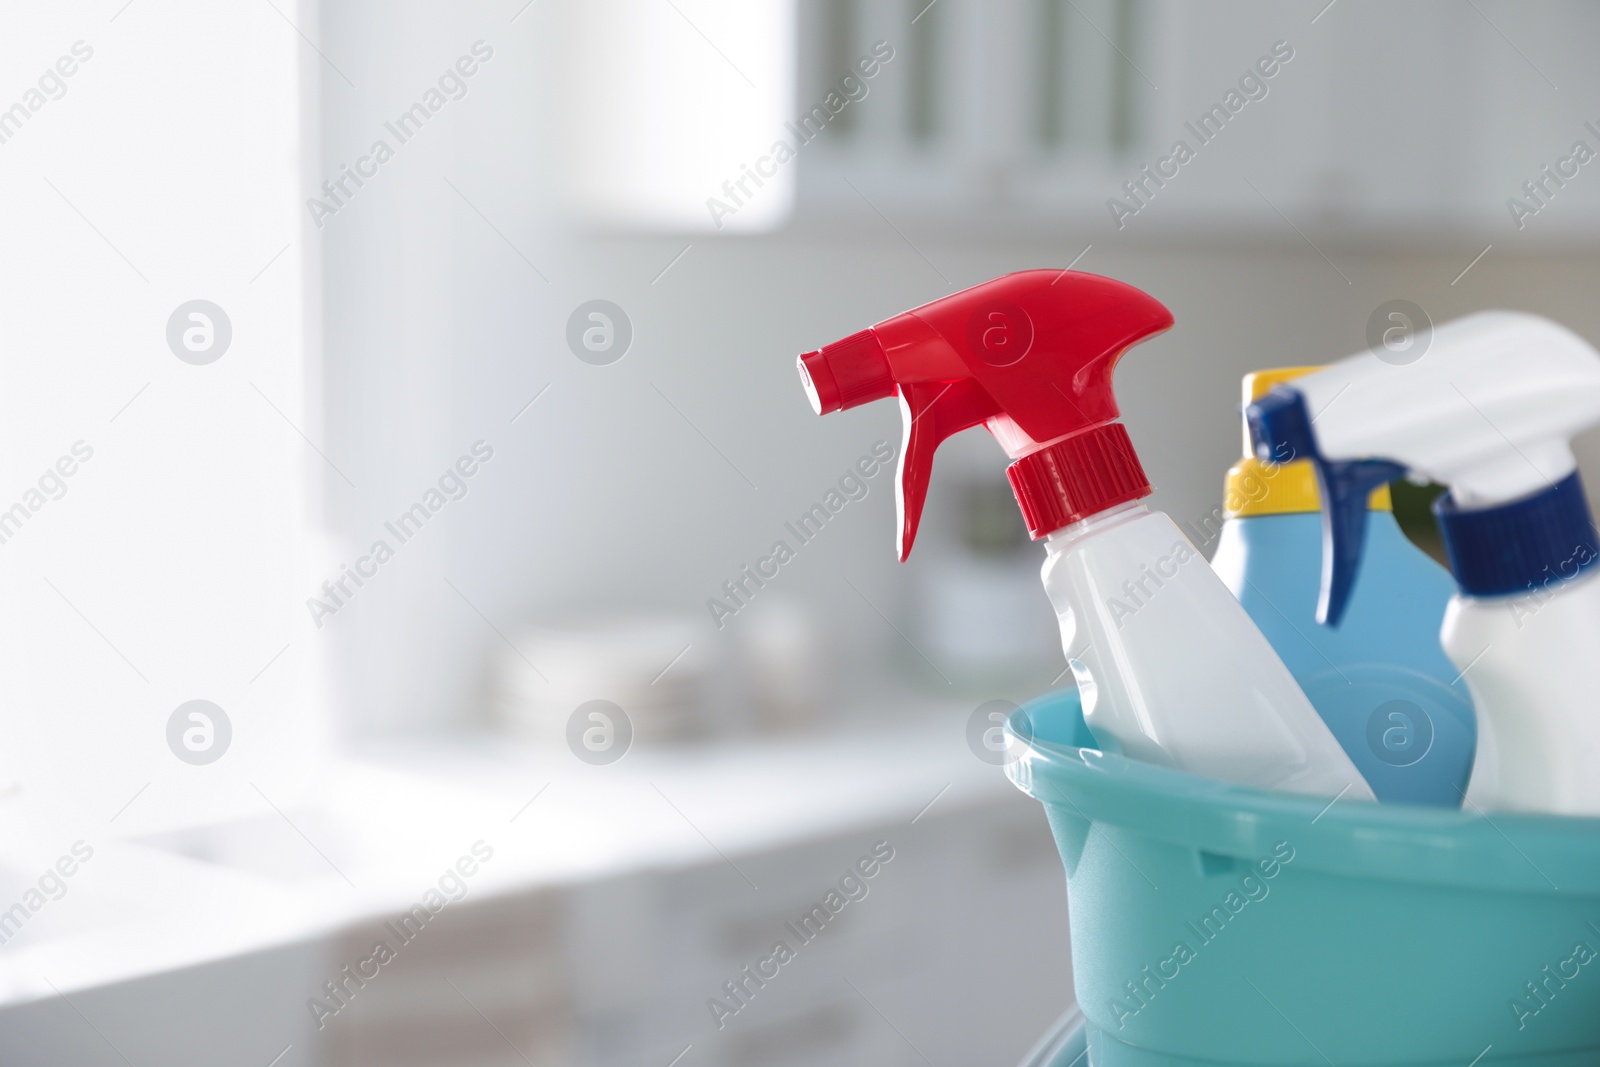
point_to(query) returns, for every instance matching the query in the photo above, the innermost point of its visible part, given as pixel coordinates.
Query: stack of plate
(653, 668)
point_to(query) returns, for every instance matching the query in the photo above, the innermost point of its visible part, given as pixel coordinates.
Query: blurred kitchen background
(540, 346)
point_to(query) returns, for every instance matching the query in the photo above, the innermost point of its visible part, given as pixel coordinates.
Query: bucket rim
(1495, 852)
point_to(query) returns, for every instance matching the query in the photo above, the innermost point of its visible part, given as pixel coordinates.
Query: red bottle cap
(1031, 356)
(1077, 477)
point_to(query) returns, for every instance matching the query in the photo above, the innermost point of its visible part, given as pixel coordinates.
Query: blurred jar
(981, 613)
(784, 671)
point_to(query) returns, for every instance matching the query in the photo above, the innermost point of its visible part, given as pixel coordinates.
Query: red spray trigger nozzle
(1029, 354)
(931, 411)
(846, 373)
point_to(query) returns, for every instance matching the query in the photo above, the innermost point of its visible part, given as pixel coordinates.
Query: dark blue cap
(1281, 431)
(1280, 427)
(1513, 548)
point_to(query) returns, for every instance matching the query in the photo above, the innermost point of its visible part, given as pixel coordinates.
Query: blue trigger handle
(1281, 432)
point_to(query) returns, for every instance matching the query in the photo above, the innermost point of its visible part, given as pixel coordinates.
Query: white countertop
(389, 819)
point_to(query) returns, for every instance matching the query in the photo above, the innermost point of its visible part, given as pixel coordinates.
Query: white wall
(167, 570)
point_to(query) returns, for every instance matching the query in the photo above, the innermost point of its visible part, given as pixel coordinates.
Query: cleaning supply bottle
(1169, 667)
(1489, 410)
(1379, 680)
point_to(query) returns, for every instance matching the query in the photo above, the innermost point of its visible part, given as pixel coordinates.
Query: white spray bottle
(1489, 409)
(1169, 665)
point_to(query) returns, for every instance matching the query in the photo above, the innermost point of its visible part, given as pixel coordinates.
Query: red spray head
(1030, 356)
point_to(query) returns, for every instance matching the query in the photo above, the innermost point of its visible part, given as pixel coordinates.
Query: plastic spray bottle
(1169, 667)
(1379, 680)
(1489, 410)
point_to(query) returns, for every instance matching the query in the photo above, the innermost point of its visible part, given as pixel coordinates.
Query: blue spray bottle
(1379, 679)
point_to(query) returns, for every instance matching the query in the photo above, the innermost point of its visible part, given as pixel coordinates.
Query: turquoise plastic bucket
(1215, 924)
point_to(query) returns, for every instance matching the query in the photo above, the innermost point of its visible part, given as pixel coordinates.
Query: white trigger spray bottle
(1489, 410)
(1170, 668)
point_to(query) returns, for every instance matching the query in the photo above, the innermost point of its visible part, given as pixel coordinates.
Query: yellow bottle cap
(1257, 488)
